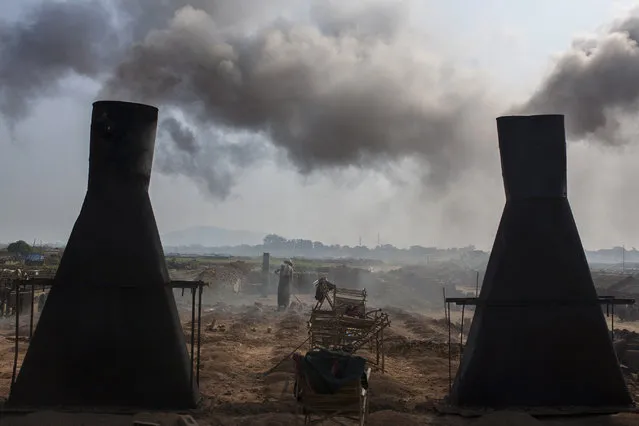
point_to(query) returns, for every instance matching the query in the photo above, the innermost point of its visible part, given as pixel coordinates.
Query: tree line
(280, 246)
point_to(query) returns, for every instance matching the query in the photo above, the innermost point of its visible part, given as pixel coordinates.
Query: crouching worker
(284, 286)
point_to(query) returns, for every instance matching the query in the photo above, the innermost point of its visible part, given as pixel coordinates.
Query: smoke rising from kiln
(594, 84)
(212, 158)
(347, 85)
(53, 40)
(334, 92)
(183, 137)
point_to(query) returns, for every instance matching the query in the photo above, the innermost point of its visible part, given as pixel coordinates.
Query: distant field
(256, 262)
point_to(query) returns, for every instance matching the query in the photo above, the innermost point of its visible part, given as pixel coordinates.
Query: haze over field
(321, 119)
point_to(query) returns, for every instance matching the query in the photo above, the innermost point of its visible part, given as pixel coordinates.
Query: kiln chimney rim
(530, 116)
(124, 104)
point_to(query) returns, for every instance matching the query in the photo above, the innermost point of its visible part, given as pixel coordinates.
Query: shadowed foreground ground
(254, 338)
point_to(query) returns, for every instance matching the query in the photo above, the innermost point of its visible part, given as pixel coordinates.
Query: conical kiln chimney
(109, 334)
(538, 337)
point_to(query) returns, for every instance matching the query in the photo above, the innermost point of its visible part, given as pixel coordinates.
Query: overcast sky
(506, 47)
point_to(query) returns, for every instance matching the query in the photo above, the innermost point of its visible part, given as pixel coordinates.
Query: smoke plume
(52, 41)
(183, 137)
(344, 84)
(348, 85)
(212, 158)
(594, 84)
(335, 92)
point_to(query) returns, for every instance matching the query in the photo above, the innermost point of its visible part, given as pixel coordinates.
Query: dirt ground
(255, 338)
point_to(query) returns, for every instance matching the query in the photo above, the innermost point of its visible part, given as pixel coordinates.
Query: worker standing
(284, 286)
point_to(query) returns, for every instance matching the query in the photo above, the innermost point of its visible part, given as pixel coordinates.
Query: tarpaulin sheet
(327, 371)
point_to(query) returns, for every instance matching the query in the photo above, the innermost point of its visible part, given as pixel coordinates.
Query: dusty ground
(255, 338)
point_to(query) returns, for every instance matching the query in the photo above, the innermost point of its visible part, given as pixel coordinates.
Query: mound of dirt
(230, 278)
(429, 280)
(386, 385)
(241, 266)
(407, 347)
(215, 361)
(290, 325)
(253, 315)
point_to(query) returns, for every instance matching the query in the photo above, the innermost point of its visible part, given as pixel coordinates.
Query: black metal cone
(538, 336)
(109, 334)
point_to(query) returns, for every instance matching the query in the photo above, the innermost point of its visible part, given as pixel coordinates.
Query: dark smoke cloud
(377, 20)
(345, 86)
(141, 16)
(52, 41)
(594, 84)
(331, 98)
(182, 136)
(214, 159)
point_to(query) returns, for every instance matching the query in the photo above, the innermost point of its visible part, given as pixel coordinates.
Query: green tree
(19, 247)
(274, 241)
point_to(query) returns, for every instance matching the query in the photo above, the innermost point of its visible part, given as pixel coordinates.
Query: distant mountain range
(210, 236)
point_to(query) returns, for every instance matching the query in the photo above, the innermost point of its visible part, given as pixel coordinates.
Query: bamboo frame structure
(346, 325)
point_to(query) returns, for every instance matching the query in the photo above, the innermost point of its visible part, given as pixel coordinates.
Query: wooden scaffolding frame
(345, 325)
